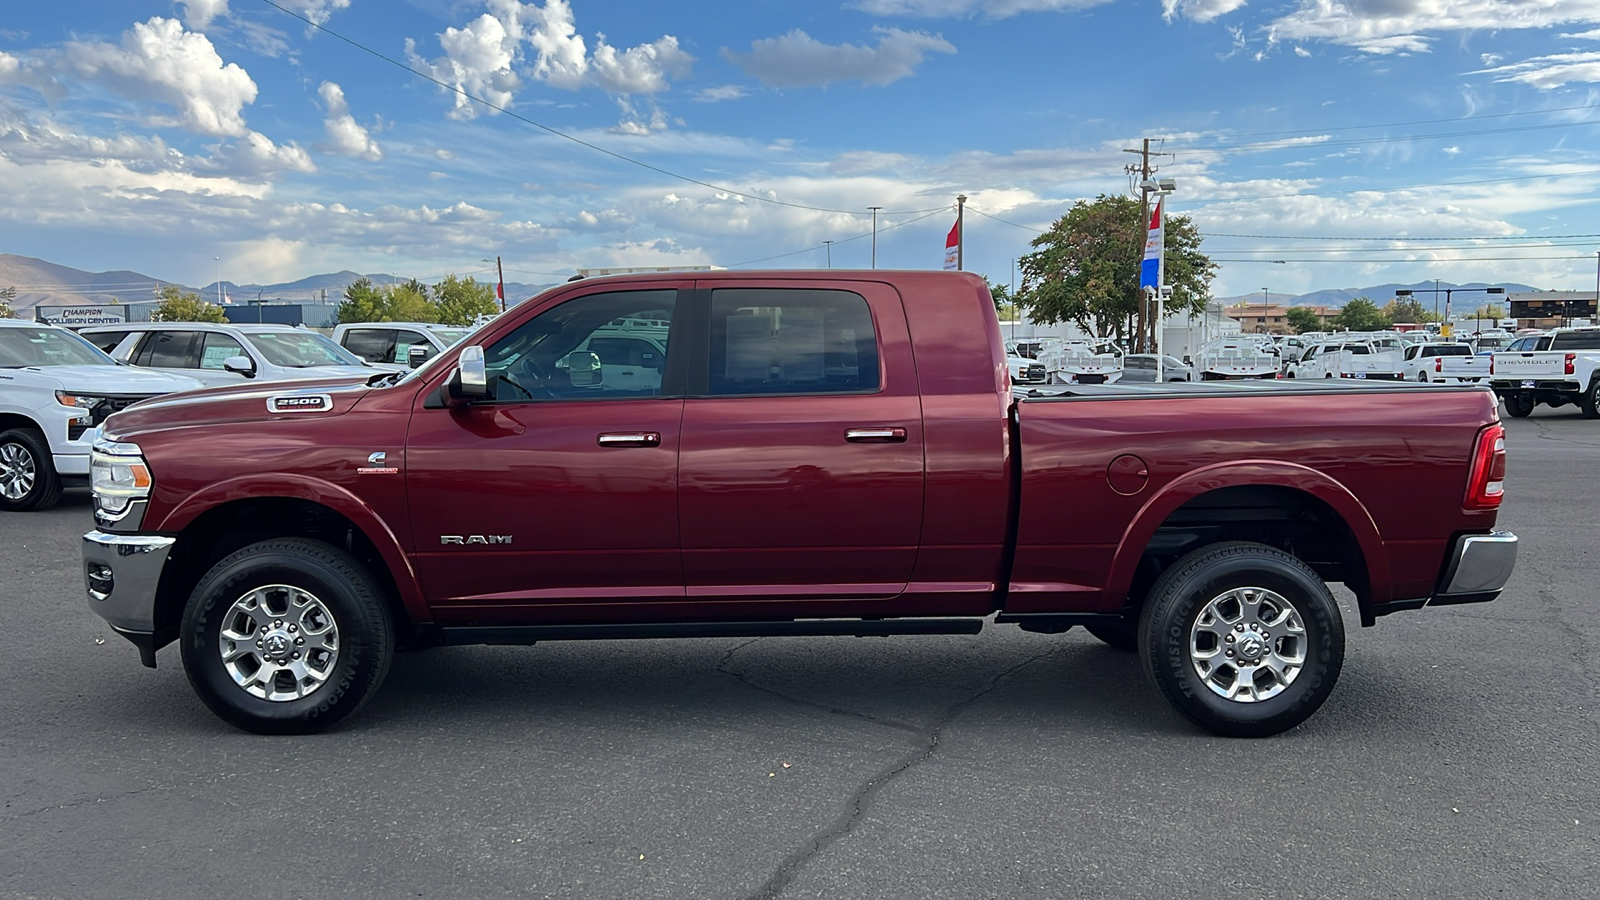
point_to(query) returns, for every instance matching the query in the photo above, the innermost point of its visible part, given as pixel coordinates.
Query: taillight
(1488, 482)
(1491, 365)
(1438, 364)
(1572, 359)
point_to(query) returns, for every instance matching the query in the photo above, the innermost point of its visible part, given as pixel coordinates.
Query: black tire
(364, 635)
(1170, 639)
(1520, 406)
(28, 469)
(1423, 377)
(1123, 635)
(1589, 403)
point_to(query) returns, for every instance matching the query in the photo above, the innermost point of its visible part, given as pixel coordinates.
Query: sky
(1316, 143)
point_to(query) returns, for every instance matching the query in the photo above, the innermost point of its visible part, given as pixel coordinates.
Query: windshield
(301, 349)
(47, 347)
(450, 335)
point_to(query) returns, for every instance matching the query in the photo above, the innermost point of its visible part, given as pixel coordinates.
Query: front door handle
(876, 435)
(630, 439)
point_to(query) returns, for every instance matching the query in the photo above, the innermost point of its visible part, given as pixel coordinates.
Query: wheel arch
(9, 421)
(215, 523)
(1286, 505)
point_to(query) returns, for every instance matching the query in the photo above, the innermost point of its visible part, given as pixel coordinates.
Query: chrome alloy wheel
(16, 471)
(279, 642)
(1248, 644)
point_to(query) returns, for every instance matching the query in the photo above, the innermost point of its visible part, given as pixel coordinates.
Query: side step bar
(529, 634)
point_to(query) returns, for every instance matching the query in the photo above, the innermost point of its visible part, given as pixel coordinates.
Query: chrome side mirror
(472, 379)
(240, 365)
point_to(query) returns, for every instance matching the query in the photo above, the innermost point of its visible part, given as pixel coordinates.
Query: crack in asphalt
(861, 799)
(84, 802)
(722, 666)
(1546, 435)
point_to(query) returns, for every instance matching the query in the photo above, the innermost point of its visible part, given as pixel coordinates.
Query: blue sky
(1318, 144)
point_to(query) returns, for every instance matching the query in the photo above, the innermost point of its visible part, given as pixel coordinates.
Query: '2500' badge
(299, 403)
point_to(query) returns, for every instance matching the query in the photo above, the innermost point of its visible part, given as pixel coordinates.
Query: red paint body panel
(757, 507)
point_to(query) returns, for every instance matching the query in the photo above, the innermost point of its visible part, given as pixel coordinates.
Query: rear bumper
(121, 573)
(1477, 569)
(1504, 386)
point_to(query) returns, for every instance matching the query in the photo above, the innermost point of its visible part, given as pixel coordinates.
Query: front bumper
(1478, 568)
(122, 573)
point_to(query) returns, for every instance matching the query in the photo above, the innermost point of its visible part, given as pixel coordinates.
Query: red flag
(500, 291)
(952, 247)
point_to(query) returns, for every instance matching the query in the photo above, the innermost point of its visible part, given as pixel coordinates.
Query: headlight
(118, 475)
(78, 401)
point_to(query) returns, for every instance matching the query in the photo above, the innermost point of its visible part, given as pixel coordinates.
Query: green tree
(1302, 320)
(1360, 314)
(1005, 304)
(7, 297)
(462, 301)
(1409, 310)
(367, 302)
(1490, 311)
(1085, 269)
(183, 306)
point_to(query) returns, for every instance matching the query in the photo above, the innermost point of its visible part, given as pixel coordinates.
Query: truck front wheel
(28, 478)
(1520, 406)
(1242, 639)
(286, 636)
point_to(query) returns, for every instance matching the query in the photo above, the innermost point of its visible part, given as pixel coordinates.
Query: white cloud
(198, 14)
(346, 136)
(255, 155)
(993, 9)
(799, 60)
(721, 93)
(489, 56)
(1549, 72)
(1582, 36)
(1198, 10)
(1390, 26)
(638, 70)
(318, 11)
(1302, 52)
(157, 60)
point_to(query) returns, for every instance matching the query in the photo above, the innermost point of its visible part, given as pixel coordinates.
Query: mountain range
(42, 283)
(39, 282)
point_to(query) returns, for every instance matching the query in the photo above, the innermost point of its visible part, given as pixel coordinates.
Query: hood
(362, 372)
(114, 379)
(251, 402)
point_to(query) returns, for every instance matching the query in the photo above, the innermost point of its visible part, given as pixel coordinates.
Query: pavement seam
(85, 802)
(861, 799)
(723, 667)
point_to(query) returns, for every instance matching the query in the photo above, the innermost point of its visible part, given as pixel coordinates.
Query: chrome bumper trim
(121, 573)
(1479, 564)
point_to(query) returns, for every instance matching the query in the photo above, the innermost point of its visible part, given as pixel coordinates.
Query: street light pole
(218, 260)
(1265, 305)
(828, 245)
(874, 234)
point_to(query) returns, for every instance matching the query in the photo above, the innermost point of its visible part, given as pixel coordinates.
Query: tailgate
(1539, 364)
(1465, 365)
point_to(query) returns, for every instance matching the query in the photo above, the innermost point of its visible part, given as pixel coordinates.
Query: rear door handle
(875, 435)
(630, 439)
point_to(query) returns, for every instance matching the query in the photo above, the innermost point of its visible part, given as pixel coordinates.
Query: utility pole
(1144, 170)
(874, 234)
(961, 230)
(828, 245)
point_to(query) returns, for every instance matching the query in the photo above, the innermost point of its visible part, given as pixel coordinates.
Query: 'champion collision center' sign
(72, 316)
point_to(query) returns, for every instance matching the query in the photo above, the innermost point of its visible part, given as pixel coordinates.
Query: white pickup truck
(1556, 369)
(55, 390)
(1347, 359)
(1444, 363)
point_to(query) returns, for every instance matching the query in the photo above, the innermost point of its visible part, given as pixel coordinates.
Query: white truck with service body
(1230, 358)
(1347, 359)
(1565, 369)
(1444, 363)
(55, 390)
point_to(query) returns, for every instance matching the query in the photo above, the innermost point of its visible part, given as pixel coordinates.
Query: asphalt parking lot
(1457, 757)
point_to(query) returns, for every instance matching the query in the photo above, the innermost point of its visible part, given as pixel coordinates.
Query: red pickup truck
(780, 453)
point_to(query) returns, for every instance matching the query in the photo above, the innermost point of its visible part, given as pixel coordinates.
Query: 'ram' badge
(299, 403)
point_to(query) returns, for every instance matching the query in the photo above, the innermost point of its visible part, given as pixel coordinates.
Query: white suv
(219, 354)
(55, 390)
(390, 343)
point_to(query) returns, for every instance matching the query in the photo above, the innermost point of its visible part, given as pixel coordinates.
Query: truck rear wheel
(1520, 406)
(286, 636)
(1242, 639)
(28, 479)
(1589, 403)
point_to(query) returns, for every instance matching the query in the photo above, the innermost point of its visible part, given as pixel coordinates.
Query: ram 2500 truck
(818, 453)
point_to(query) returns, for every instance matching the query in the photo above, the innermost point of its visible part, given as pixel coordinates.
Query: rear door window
(371, 344)
(105, 340)
(791, 341)
(169, 350)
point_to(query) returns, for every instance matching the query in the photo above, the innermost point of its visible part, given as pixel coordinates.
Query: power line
(1531, 112)
(1288, 143)
(1306, 237)
(1586, 256)
(1393, 190)
(576, 140)
(840, 241)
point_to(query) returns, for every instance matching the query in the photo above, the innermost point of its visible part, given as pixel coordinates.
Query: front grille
(108, 405)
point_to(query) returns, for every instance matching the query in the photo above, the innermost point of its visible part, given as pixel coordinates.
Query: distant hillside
(39, 282)
(1379, 294)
